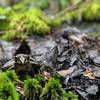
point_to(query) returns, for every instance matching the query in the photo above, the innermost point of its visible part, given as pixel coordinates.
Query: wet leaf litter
(74, 57)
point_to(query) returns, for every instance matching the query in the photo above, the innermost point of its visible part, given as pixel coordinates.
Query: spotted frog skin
(22, 63)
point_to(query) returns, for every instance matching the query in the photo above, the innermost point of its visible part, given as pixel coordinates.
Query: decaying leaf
(88, 73)
(47, 75)
(20, 90)
(66, 72)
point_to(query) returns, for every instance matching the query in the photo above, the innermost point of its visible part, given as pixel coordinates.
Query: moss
(11, 35)
(70, 95)
(26, 4)
(42, 4)
(4, 18)
(86, 12)
(91, 12)
(5, 11)
(32, 89)
(11, 75)
(7, 89)
(4, 24)
(72, 16)
(30, 22)
(53, 23)
(52, 90)
(40, 78)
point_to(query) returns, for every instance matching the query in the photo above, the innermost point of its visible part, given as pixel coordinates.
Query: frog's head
(22, 59)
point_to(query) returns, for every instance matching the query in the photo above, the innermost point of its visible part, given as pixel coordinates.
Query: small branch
(68, 9)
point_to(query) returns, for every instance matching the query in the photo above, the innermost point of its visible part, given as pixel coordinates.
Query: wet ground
(72, 53)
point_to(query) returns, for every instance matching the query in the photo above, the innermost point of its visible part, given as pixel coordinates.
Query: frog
(23, 64)
(23, 61)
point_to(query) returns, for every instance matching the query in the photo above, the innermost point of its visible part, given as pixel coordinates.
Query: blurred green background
(22, 18)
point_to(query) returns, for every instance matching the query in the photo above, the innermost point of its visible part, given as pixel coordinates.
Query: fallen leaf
(47, 75)
(66, 72)
(88, 73)
(20, 90)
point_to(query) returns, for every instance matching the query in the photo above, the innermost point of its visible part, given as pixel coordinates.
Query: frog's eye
(17, 60)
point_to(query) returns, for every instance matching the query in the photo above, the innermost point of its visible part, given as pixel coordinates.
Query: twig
(68, 9)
